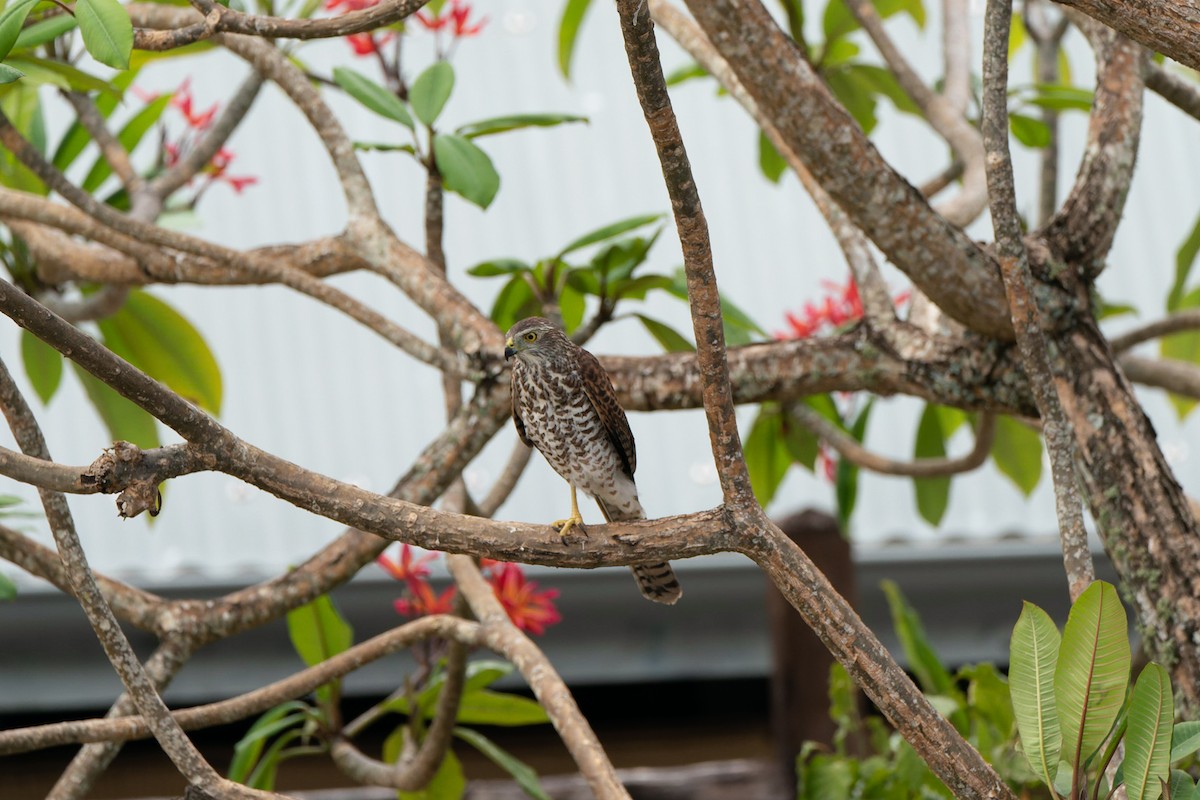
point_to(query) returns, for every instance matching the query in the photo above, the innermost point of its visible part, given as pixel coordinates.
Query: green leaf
(922, 660)
(1061, 98)
(609, 232)
(430, 91)
(43, 31)
(838, 21)
(568, 32)
(1017, 451)
(318, 632)
(158, 340)
(8, 589)
(370, 94)
(670, 339)
(124, 420)
(514, 302)
(1029, 131)
(1183, 347)
(933, 494)
(248, 749)
(448, 783)
(512, 122)
(264, 774)
(826, 777)
(1092, 672)
(846, 479)
(687, 72)
(767, 455)
(989, 696)
(770, 162)
(1033, 654)
(499, 266)
(466, 170)
(485, 707)
(8, 74)
(572, 305)
(23, 106)
(106, 30)
(12, 19)
(1185, 257)
(1181, 786)
(56, 73)
(884, 82)
(1017, 35)
(522, 773)
(1148, 740)
(129, 137)
(1185, 740)
(43, 365)
(856, 94)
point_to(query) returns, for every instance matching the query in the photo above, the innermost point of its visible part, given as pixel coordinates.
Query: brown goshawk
(564, 405)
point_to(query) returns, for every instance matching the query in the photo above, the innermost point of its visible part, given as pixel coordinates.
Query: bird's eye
(531, 337)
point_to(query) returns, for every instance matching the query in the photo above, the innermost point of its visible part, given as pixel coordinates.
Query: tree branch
(1170, 27)
(1175, 89)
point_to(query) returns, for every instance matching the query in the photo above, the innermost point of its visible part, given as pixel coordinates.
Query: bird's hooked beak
(509, 351)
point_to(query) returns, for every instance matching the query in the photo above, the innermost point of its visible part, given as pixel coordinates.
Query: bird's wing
(599, 390)
(515, 386)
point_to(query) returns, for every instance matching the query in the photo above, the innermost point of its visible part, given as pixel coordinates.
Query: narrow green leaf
(12, 19)
(767, 455)
(770, 162)
(1185, 740)
(1148, 740)
(522, 773)
(922, 659)
(1033, 654)
(124, 420)
(1017, 451)
(687, 72)
(56, 73)
(671, 340)
(568, 32)
(846, 479)
(1185, 257)
(1092, 672)
(933, 494)
(466, 170)
(43, 365)
(370, 94)
(1183, 347)
(430, 91)
(106, 30)
(22, 103)
(512, 122)
(610, 231)
(263, 776)
(77, 138)
(158, 340)
(8, 74)
(44, 30)
(499, 266)
(8, 589)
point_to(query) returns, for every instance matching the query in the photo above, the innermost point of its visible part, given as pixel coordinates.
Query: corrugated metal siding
(313, 387)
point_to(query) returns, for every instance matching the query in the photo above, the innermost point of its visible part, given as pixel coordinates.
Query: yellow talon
(574, 521)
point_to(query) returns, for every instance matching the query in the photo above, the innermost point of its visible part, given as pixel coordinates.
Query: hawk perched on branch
(564, 405)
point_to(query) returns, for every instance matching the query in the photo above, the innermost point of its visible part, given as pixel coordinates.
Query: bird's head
(531, 338)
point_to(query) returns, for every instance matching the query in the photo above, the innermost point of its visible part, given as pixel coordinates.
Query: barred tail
(656, 582)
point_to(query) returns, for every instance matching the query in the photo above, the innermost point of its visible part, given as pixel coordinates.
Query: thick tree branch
(1180, 377)
(1170, 27)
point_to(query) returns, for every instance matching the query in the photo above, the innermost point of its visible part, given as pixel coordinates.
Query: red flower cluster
(529, 608)
(842, 305)
(368, 42)
(454, 17)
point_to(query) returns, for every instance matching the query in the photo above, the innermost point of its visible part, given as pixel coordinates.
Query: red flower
(529, 609)
(406, 569)
(841, 306)
(423, 602)
(183, 102)
(456, 15)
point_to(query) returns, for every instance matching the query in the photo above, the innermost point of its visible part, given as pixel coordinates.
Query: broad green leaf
(568, 32)
(989, 696)
(158, 340)
(43, 365)
(670, 339)
(855, 94)
(8, 589)
(512, 122)
(484, 672)
(22, 104)
(1148, 739)
(1183, 347)
(130, 135)
(485, 707)
(1017, 451)
(318, 632)
(106, 30)
(430, 91)
(124, 420)
(448, 783)
(767, 455)
(885, 83)
(1092, 672)
(521, 772)
(826, 777)
(637, 288)
(922, 660)
(12, 19)
(514, 302)
(1061, 98)
(466, 170)
(838, 21)
(1185, 257)
(609, 232)
(933, 494)
(1182, 787)
(44, 30)
(248, 749)
(8, 74)
(1033, 654)
(1185, 740)
(499, 266)
(1017, 35)
(375, 97)
(571, 305)
(1029, 131)
(56, 73)
(770, 162)
(846, 479)
(738, 327)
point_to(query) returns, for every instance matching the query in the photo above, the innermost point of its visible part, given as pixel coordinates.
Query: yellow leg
(574, 521)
